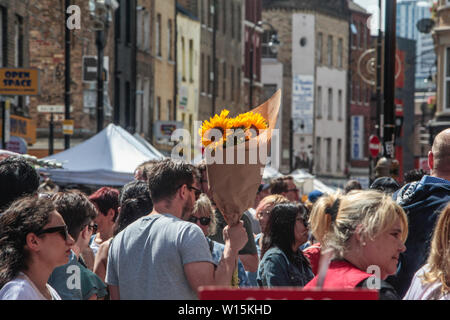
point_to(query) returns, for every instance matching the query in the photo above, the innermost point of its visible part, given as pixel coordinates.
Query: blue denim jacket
(275, 270)
(217, 252)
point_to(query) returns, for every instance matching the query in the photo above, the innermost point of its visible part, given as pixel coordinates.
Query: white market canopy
(109, 158)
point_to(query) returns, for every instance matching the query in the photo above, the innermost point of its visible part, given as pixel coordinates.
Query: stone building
(441, 37)
(314, 55)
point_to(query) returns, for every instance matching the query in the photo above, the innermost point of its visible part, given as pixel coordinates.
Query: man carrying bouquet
(162, 256)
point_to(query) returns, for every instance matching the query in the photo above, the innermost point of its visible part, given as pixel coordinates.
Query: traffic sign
(68, 127)
(374, 146)
(50, 108)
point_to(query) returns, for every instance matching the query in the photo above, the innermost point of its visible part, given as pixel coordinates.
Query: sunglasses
(62, 230)
(197, 192)
(94, 228)
(295, 190)
(203, 220)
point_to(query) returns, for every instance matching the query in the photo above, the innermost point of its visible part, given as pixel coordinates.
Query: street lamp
(273, 44)
(102, 16)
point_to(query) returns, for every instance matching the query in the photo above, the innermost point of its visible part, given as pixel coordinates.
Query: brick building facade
(46, 51)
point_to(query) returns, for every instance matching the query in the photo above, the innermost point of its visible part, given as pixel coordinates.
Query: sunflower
(220, 122)
(250, 122)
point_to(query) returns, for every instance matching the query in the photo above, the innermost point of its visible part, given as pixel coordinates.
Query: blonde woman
(204, 217)
(432, 281)
(318, 229)
(366, 230)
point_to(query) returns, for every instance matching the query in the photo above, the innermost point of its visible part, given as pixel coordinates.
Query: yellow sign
(68, 127)
(22, 127)
(19, 81)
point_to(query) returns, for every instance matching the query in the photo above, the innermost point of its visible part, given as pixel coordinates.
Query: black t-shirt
(250, 246)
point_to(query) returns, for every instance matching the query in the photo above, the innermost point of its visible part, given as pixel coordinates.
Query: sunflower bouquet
(241, 128)
(234, 183)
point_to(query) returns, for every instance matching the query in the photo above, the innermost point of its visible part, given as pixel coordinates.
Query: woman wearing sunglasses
(33, 241)
(283, 263)
(203, 215)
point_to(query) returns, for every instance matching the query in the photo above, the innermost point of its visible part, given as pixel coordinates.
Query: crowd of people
(161, 236)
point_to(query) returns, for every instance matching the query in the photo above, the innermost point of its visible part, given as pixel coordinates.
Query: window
(328, 158)
(169, 110)
(239, 19)
(169, 40)
(210, 8)
(447, 80)
(183, 59)
(338, 155)
(158, 35)
(224, 94)
(232, 20)
(357, 93)
(128, 102)
(146, 106)
(319, 102)
(319, 48)
(340, 105)
(128, 22)
(238, 71)
(340, 53)
(139, 104)
(191, 60)
(209, 76)
(224, 16)
(139, 29)
(147, 31)
(203, 79)
(364, 31)
(202, 12)
(318, 151)
(330, 103)
(158, 109)
(18, 41)
(330, 51)
(232, 82)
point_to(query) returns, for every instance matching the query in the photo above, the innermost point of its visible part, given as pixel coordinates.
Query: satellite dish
(425, 25)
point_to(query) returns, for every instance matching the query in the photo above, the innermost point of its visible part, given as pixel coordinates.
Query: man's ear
(183, 192)
(430, 160)
(85, 232)
(111, 214)
(33, 242)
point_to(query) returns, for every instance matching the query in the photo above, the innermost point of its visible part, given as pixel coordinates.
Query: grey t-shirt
(146, 259)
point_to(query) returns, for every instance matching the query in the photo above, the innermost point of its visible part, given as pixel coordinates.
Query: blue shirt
(217, 252)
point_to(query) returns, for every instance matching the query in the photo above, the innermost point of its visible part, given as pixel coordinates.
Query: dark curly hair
(76, 210)
(131, 210)
(24, 216)
(17, 179)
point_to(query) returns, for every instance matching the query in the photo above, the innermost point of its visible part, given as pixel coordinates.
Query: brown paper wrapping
(234, 186)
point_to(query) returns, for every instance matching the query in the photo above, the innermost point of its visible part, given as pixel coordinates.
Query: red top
(341, 274)
(313, 255)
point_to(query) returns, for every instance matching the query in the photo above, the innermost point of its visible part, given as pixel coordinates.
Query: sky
(371, 6)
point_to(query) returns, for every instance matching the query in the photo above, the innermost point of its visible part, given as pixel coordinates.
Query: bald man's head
(439, 156)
